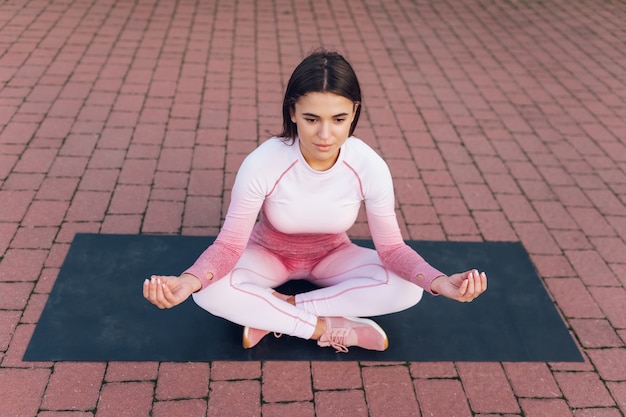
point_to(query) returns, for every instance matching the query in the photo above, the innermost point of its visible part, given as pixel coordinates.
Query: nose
(324, 131)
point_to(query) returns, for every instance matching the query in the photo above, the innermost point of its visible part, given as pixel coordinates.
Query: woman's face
(323, 121)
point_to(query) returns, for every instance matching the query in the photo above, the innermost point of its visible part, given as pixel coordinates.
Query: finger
(463, 289)
(157, 292)
(167, 294)
(471, 287)
(152, 289)
(146, 289)
(483, 281)
(163, 302)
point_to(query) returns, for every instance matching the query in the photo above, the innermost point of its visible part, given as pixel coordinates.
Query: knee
(210, 300)
(410, 296)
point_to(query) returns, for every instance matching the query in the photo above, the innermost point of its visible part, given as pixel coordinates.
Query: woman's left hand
(463, 287)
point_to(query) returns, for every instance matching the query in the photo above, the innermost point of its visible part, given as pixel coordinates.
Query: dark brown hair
(320, 72)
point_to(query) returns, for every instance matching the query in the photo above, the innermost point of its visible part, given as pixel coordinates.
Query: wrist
(435, 284)
(192, 281)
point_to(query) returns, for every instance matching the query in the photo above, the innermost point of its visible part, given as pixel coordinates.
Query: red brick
(607, 202)
(389, 391)
(182, 380)
(553, 266)
(14, 354)
(286, 381)
(298, 409)
(176, 160)
(21, 391)
(532, 380)
(618, 390)
(536, 238)
(487, 388)
(442, 397)
(591, 268)
(35, 160)
(129, 199)
(234, 398)
(163, 217)
(494, 226)
(106, 159)
(206, 183)
(450, 206)
(35, 306)
(7, 231)
(137, 171)
(55, 127)
(516, 208)
(45, 213)
(439, 177)
(78, 145)
(433, 370)
(225, 370)
(8, 321)
(122, 224)
(419, 214)
(545, 408)
(591, 221)
(190, 408)
(478, 197)
(612, 249)
(573, 298)
(171, 180)
(536, 190)
(14, 295)
(459, 225)
(583, 389)
(341, 403)
(465, 173)
(13, 205)
(22, 264)
(610, 363)
(411, 192)
(23, 181)
(595, 333)
(68, 166)
(125, 399)
(340, 375)
(57, 189)
(74, 386)
(597, 412)
(88, 206)
(34, 237)
(131, 371)
(612, 301)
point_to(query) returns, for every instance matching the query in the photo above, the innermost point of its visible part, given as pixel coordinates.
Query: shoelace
(337, 339)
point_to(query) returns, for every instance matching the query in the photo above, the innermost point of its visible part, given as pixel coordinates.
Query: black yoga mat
(96, 311)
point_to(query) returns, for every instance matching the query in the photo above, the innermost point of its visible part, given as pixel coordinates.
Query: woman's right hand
(169, 291)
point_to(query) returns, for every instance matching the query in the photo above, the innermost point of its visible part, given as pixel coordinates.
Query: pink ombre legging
(354, 283)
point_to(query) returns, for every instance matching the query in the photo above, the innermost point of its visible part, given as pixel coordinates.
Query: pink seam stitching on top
(258, 296)
(357, 178)
(353, 288)
(281, 177)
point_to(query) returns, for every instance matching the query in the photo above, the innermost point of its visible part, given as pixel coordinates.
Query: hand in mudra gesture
(463, 287)
(169, 291)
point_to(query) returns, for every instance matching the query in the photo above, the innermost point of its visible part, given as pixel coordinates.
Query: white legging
(353, 282)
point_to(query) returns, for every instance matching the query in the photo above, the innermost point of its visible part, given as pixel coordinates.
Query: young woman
(305, 187)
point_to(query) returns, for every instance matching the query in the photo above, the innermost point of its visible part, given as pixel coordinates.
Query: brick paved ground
(500, 119)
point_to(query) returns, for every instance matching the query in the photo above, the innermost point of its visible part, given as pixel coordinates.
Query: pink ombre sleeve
(247, 197)
(383, 223)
